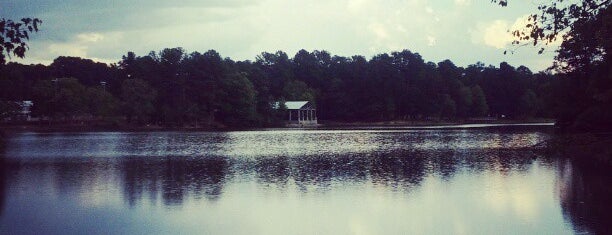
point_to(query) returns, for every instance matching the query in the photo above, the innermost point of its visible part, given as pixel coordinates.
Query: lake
(454, 180)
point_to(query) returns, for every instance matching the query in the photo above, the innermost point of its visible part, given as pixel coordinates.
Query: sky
(464, 31)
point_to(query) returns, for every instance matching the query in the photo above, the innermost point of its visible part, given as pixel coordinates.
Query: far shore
(323, 125)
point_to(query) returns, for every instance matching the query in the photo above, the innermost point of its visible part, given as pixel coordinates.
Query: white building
(299, 112)
(26, 109)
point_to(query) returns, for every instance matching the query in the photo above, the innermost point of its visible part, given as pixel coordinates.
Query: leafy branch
(13, 35)
(554, 19)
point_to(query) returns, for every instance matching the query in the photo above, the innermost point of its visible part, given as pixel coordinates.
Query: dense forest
(175, 88)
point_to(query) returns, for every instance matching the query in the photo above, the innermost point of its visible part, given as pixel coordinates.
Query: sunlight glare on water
(262, 143)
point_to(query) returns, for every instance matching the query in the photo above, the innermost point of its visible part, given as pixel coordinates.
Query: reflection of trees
(500, 160)
(273, 171)
(314, 170)
(74, 176)
(3, 174)
(322, 171)
(399, 169)
(3, 181)
(585, 194)
(8, 169)
(513, 160)
(445, 163)
(174, 178)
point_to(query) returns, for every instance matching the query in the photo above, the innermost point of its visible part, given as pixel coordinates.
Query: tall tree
(237, 101)
(138, 98)
(479, 102)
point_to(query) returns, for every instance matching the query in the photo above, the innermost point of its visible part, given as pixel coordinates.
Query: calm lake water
(468, 180)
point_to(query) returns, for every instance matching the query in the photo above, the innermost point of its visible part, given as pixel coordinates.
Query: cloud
(497, 33)
(92, 45)
(463, 2)
(68, 49)
(379, 31)
(431, 41)
(89, 37)
(356, 5)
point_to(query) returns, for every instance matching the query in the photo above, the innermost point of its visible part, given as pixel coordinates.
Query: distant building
(18, 111)
(299, 112)
(25, 111)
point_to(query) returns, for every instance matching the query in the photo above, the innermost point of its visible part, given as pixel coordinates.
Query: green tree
(237, 101)
(479, 102)
(528, 104)
(86, 71)
(44, 92)
(60, 97)
(464, 101)
(101, 103)
(448, 107)
(70, 98)
(138, 98)
(297, 90)
(277, 68)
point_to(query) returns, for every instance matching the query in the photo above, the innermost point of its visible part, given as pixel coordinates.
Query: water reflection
(173, 177)
(394, 187)
(273, 171)
(585, 197)
(3, 186)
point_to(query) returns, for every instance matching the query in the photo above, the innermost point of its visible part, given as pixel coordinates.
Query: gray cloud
(241, 29)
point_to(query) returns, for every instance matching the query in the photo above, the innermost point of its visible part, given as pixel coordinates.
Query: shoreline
(437, 123)
(324, 125)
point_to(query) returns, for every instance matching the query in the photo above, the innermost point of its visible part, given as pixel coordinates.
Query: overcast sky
(464, 31)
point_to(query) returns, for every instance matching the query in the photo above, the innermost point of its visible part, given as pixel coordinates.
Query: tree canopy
(173, 87)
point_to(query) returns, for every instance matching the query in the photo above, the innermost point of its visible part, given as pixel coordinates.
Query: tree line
(175, 88)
